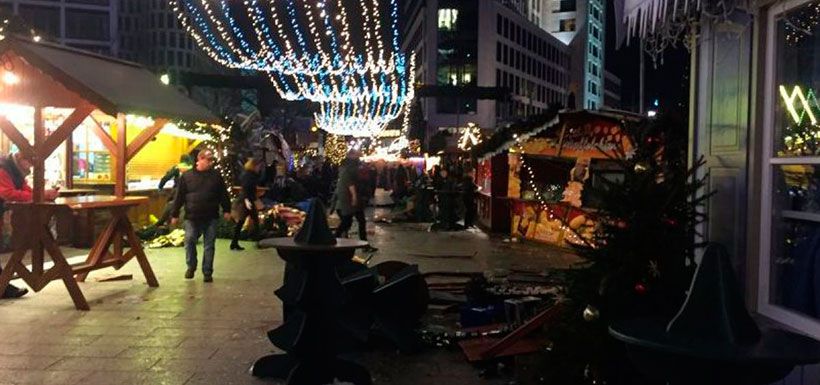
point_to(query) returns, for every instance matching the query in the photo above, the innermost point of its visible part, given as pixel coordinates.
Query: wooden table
(30, 223)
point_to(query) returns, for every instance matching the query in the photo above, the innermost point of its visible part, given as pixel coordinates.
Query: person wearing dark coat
(350, 199)
(249, 180)
(202, 192)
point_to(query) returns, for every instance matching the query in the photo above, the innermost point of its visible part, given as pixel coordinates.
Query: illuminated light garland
(471, 136)
(806, 101)
(335, 149)
(366, 117)
(570, 235)
(366, 89)
(200, 22)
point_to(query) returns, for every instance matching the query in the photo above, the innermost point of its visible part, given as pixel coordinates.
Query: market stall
(48, 93)
(544, 167)
(492, 172)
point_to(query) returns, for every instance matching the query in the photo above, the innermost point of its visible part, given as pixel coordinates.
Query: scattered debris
(519, 341)
(173, 239)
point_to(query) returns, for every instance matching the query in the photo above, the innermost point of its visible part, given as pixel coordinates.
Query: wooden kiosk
(37, 76)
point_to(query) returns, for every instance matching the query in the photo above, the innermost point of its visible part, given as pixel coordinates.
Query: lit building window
(447, 19)
(567, 25)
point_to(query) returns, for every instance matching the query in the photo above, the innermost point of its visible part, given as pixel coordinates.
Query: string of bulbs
(359, 92)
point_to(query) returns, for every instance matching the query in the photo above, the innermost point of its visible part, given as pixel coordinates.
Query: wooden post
(39, 158)
(121, 157)
(69, 163)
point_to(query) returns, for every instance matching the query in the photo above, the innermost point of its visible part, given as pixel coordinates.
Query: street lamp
(165, 79)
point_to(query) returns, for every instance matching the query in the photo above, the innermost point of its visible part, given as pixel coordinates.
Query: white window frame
(796, 320)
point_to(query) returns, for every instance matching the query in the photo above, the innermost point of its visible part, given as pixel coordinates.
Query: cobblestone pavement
(189, 332)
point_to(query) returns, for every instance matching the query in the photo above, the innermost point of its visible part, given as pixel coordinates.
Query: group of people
(201, 191)
(444, 194)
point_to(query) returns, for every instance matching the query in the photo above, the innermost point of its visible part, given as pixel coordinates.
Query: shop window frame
(768, 162)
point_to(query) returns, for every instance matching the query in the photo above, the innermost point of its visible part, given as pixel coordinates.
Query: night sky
(667, 81)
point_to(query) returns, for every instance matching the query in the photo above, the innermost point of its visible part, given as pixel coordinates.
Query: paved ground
(189, 332)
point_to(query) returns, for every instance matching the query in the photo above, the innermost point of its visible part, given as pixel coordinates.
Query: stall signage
(596, 140)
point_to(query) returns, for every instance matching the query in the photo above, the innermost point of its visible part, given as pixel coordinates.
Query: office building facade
(579, 24)
(150, 34)
(460, 45)
(86, 24)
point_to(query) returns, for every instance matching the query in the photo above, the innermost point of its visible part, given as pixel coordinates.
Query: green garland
(222, 138)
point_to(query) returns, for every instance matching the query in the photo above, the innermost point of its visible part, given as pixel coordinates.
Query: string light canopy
(360, 78)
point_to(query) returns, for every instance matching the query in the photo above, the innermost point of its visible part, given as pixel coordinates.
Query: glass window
(84, 24)
(567, 6)
(447, 19)
(42, 18)
(566, 25)
(457, 75)
(793, 167)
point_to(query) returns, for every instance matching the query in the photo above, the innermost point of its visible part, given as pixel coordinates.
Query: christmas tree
(641, 258)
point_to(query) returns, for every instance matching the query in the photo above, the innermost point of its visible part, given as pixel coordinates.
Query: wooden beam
(144, 137)
(39, 161)
(105, 138)
(69, 165)
(16, 137)
(121, 158)
(64, 131)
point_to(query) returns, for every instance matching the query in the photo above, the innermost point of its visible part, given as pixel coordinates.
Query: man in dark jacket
(13, 188)
(351, 200)
(201, 191)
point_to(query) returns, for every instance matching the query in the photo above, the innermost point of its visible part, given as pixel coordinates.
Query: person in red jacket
(14, 188)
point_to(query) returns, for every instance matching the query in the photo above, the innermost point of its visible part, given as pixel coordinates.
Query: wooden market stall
(492, 171)
(537, 177)
(74, 88)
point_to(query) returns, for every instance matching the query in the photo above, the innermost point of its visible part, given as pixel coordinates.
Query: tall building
(150, 34)
(86, 24)
(463, 44)
(581, 25)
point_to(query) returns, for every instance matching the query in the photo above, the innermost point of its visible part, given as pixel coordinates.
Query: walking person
(202, 192)
(349, 200)
(13, 188)
(249, 180)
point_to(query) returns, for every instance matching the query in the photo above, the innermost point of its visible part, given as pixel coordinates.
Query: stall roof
(504, 138)
(112, 85)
